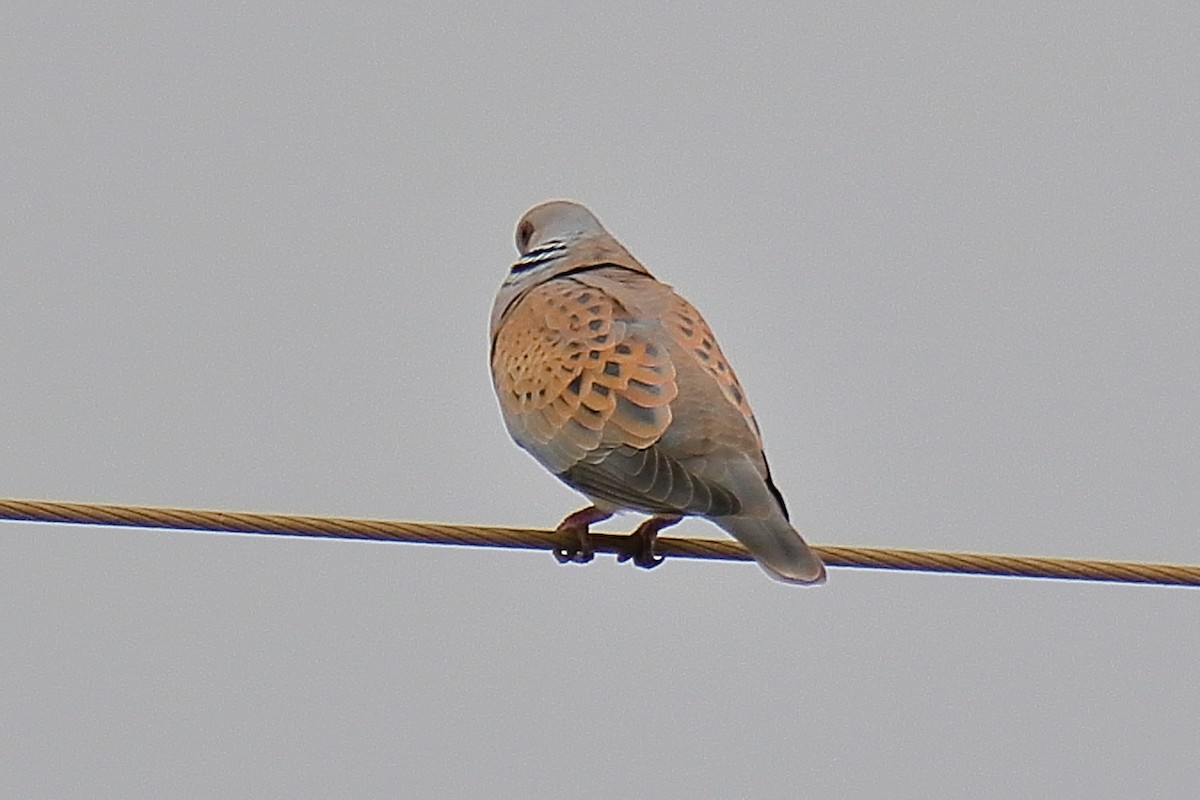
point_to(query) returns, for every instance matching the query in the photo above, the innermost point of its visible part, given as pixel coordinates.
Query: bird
(615, 384)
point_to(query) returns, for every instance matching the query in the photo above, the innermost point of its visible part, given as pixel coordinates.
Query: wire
(192, 519)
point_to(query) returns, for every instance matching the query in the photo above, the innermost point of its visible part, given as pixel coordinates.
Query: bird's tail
(776, 546)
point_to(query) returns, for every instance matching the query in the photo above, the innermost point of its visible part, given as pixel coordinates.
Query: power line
(191, 519)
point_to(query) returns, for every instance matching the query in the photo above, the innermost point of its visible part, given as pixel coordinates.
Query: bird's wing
(575, 380)
(693, 336)
(587, 390)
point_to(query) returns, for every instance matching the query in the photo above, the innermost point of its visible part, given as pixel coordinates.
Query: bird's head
(555, 225)
(553, 238)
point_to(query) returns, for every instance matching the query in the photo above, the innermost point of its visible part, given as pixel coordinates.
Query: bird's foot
(577, 546)
(639, 545)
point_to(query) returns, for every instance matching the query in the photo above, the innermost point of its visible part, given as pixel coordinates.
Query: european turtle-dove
(616, 385)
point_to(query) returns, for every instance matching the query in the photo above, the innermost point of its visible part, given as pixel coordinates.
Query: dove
(616, 385)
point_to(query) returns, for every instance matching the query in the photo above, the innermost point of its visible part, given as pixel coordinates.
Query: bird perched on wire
(615, 384)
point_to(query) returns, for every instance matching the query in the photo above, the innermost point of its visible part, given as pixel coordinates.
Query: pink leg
(641, 542)
(575, 530)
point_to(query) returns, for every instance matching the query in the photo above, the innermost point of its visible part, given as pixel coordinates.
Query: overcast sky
(247, 254)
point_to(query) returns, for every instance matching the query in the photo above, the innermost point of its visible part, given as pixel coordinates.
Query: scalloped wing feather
(575, 380)
(692, 333)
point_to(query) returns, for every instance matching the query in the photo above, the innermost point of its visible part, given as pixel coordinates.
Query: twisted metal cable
(534, 539)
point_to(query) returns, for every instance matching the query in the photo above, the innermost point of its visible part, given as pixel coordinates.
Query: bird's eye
(524, 234)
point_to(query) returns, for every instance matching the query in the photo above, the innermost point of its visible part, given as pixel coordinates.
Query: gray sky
(246, 262)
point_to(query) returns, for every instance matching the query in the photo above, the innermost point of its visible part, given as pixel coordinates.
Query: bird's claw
(580, 552)
(577, 543)
(639, 549)
(639, 545)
